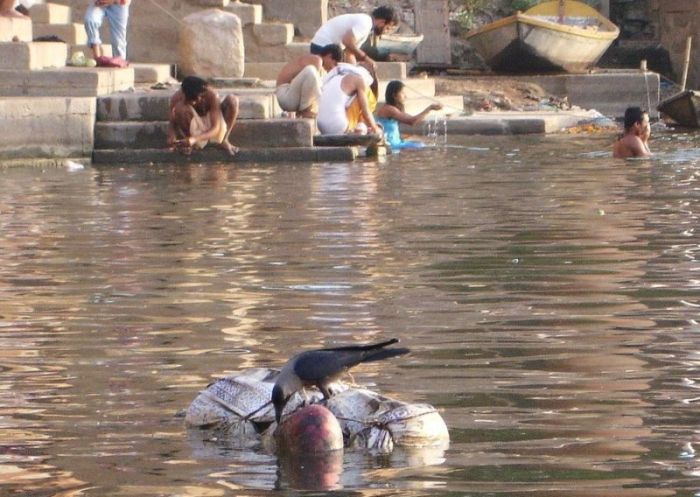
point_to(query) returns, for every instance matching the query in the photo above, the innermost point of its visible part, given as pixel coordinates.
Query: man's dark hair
(387, 13)
(633, 115)
(193, 86)
(334, 51)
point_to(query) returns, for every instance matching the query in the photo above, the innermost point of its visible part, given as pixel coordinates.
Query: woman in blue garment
(392, 113)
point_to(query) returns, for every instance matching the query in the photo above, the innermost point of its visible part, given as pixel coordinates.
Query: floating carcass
(238, 409)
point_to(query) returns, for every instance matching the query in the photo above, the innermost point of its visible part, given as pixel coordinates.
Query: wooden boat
(397, 44)
(683, 108)
(556, 35)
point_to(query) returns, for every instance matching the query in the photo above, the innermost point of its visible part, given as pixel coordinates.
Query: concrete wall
(47, 127)
(677, 20)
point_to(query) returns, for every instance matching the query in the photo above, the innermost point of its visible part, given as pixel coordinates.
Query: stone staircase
(132, 128)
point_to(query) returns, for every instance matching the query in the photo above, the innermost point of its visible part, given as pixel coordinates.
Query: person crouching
(197, 117)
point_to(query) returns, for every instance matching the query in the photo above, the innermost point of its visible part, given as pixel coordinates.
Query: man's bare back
(291, 69)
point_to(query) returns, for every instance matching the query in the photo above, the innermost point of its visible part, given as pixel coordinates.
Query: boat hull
(529, 43)
(397, 44)
(683, 108)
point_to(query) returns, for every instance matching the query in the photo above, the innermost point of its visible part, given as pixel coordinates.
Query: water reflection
(549, 294)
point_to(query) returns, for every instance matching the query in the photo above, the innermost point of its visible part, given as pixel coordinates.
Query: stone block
(391, 70)
(248, 13)
(65, 82)
(269, 33)
(253, 133)
(13, 27)
(306, 15)
(211, 45)
(151, 73)
(50, 13)
(32, 55)
(46, 127)
(153, 105)
(73, 33)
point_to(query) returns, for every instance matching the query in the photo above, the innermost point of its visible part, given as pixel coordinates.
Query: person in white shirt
(350, 31)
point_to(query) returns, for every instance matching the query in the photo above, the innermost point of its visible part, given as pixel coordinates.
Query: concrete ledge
(46, 127)
(65, 82)
(32, 55)
(214, 155)
(11, 27)
(253, 133)
(50, 13)
(73, 33)
(508, 123)
(152, 105)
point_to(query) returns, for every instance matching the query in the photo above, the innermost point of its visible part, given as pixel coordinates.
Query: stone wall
(677, 20)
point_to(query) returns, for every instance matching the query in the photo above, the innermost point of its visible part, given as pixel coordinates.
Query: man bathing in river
(198, 118)
(635, 140)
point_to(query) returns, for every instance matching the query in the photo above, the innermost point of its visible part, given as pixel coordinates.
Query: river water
(550, 296)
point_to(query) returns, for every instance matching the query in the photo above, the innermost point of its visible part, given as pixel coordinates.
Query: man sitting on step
(299, 81)
(350, 31)
(197, 117)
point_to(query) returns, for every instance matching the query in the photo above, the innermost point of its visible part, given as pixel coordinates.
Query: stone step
(73, 33)
(215, 155)
(145, 73)
(152, 105)
(269, 70)
(66, 82)
(248, 13)
(50, 13)
(270, 34)
(306, 15)
(32, 55)
(415, 87)
(276, 53)
(251, 133)
(14, 27)
(87, 51)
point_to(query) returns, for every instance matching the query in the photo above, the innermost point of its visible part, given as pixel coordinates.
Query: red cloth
(105, 61)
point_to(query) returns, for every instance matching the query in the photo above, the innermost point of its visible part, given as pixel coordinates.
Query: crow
(323, 366)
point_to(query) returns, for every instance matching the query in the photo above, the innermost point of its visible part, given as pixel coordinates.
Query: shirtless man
(350, 31)
(299, 82)
(635, 140)
(340, 88)
(197, 117)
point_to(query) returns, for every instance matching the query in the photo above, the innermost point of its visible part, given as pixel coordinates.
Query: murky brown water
(551, 296)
